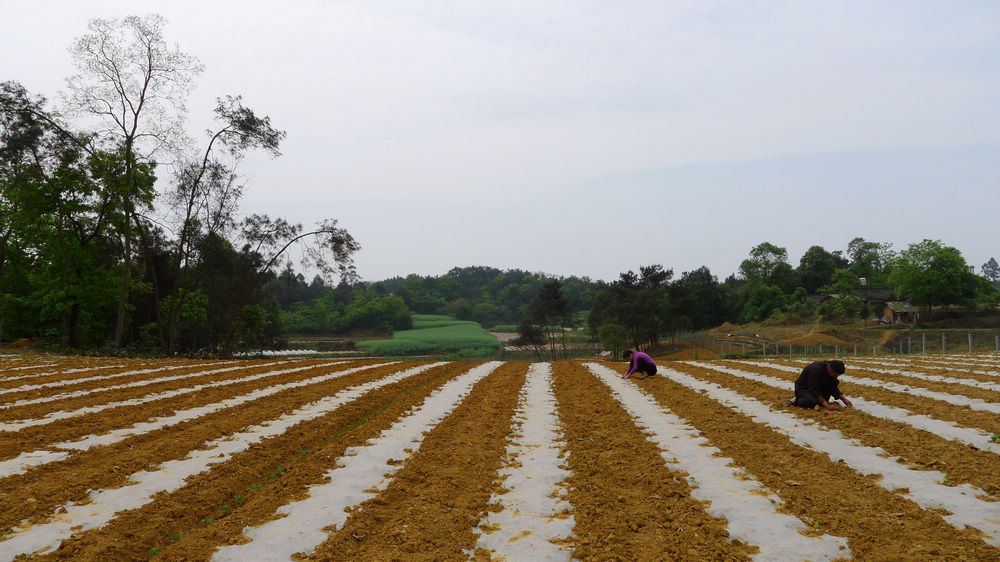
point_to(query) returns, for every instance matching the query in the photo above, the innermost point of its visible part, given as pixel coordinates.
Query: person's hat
(838, 366)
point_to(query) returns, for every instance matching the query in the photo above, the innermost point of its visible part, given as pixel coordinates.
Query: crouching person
(817, 384)
(639, 364)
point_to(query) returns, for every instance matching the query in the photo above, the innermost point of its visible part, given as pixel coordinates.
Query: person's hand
(832, 407)
(847, 402)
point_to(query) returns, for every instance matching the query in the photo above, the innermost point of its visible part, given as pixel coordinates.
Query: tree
(548, 310)
(991, 270)
(930, 274)
(133, 85)
(762, 300)
(699, 297)
(59, 205)
(816, 268)
(764, 257)
(870, 260)
(639, 304)
(206, 195)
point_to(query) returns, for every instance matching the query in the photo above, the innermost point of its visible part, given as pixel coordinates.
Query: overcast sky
(589, 138)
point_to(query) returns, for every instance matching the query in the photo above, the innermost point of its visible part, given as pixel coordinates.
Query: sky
(589, 138)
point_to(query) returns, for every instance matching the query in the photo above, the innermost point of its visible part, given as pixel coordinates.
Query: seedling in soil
(238, 499)
(224, 507)
(207, 521)
(256, 487)
(304, 452)
(154, 551)
(175, 537)
(995, 438)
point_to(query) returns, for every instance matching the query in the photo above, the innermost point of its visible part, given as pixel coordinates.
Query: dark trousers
(805, 400)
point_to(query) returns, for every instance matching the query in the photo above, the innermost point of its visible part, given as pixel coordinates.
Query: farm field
(434, 334)
(325, 459)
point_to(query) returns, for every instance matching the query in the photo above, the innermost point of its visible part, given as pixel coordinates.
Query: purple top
(637, 358)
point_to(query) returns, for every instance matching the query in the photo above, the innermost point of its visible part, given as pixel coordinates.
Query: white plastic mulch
(528, 521)
(67, 382)
(942, 428)
(359, 477)
(17, 425)
(956, 367)
(171, 475)
(26, 460)
(925, 487)
(5, 378)
(954, 399)
(134, 384)
(745, 503)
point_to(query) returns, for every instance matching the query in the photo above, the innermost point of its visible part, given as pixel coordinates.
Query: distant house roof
(901, 306)
(821, 298)
(874, 293)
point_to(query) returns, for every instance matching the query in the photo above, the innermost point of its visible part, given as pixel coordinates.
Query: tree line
(92, 254)
(639, 307)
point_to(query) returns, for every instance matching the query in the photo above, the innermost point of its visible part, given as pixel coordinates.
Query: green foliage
(870, 260)
(763, 259)
(761, 302)
(991, 270)
(816, 268)
(848, 306)
(930, 273)
(614, 338)
(548, 312)
(433, 334)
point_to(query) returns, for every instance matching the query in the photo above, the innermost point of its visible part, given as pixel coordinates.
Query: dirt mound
(815, 338)
(726, 326)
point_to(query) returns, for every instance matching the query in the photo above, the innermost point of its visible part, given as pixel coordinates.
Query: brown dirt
(878, 524)
(816, 338)
(919, 449)
(625, 498)
(689, 353)
(265, 477)
(31, 438)
(435, 501)
(38, 492)
(627, 502)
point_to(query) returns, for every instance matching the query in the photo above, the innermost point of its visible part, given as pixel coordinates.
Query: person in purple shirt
(638, 362)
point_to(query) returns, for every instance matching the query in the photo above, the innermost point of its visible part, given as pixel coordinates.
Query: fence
(910, 342)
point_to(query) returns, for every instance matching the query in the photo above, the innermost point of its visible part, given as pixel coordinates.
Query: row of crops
(111, 459)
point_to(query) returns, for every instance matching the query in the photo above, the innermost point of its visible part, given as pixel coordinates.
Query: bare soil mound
(815, 338)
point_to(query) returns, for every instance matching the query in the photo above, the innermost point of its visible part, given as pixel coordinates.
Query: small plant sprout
(175, 537)
(224, 507)
(995, 438)
(207, 521)
(238, 499)
(154, 551)
(256, 487)
(304, 452)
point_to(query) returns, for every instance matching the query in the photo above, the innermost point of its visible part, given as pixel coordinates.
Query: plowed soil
(628, 501)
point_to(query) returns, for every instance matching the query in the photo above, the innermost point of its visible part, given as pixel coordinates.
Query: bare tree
(207, 193)
(132, 87)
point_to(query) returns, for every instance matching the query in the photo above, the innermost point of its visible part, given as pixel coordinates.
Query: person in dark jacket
(818, 383)
(638, 362)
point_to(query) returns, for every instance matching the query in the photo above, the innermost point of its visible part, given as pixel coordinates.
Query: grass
(434, 334)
